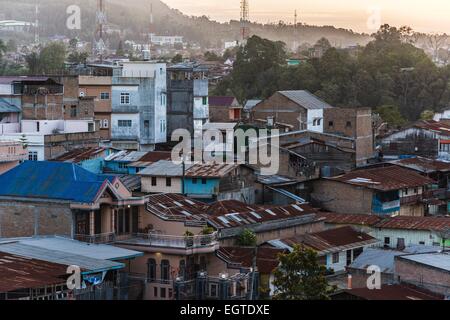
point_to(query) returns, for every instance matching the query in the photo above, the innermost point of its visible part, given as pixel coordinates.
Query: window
(203, 181)
(335, 257)
(163, 293)
(165, 266)
(73, 111)
(205, 101)
(422, 243)
(125, 123)
(105, 124)
(331, 124)
(182, 272)
(104, 96)
(33, 156)
(151, 269)
(155, 292)
(213, 290)
(348, 124)
(91, 127)
(387, 240)
(124, 98)
(168, 182)
(194, 181)
(38, 126)
(154, 181)
(162, 126)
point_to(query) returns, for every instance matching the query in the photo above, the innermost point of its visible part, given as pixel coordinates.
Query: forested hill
(133, 16)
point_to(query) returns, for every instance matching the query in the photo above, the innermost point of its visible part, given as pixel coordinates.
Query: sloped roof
(384, 178)
(221, 101)
(266, 258)
(432, 125)
(393, 292)
(52, 180)
(6, 107)
(80, 154)
(332, 240)
(210, 170)
(415, 223)
(250, 104)
(424, 165)
(305, 99)
(355, 219)
(164, 168)
(23, 273)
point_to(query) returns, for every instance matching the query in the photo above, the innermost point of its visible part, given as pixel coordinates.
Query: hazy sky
(359, 15)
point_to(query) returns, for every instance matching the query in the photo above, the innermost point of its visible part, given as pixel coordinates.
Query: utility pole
(245, 19)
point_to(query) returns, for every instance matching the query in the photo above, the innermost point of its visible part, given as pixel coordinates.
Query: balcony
(104, 238)
(411, 199)
(173, 244)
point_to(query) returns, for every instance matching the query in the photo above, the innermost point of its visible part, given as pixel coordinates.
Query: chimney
(349, 282)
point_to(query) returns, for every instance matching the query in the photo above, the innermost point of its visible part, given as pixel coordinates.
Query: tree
(211, 56)
(120, 51)
(301, 277)
(178, 58)
(73, 43)
(323, 43)
(78, 57)
(50, 59)
(2, 49)
(391, 115)
(246, 238)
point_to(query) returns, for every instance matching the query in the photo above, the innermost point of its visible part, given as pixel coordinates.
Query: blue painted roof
(52, 180)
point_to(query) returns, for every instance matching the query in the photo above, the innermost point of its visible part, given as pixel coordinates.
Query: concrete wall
(342, 198)
(161, 187)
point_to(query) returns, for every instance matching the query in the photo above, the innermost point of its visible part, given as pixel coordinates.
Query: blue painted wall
(199, 188)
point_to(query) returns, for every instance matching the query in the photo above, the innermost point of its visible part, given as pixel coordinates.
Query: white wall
(315, 114)
(6, 89)
(47, 127)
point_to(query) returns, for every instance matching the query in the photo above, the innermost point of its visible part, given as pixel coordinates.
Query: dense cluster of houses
(87, 178)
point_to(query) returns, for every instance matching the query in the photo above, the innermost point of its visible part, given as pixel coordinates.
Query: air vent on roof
(257, 216)
(186, 213)
(190, 202)
(270, 212)
(297, 207)
(234, 216)
(178, 204)
(224, 220)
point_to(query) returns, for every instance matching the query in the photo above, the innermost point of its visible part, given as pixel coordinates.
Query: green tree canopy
(246, 238)
(301, 277)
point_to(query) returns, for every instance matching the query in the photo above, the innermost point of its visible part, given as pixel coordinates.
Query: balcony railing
(103, 238)
(411, 199)
(170, 241)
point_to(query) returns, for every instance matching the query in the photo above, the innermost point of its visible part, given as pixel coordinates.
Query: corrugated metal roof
(435, 260)
(250, 104)
(90, 265)
(6, 107)
(305, 99)
(23, 273)
(80, 154)
(415, 223)
(332, 240)
(384, 178)
(52, 180)
(266, 258)
(384, 259)
(393, 292)
(210, 170)
(424, 165)
(432, 125)
(164, 168)
(219, 126)
(356, 219)
(126, 156)
(97, 251)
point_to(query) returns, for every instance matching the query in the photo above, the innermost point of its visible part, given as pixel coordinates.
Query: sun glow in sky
(359, 15)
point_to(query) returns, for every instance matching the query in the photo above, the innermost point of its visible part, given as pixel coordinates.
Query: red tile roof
(24, 273)
(350, 219)
(266, 259)
(332, 240)
(384, 178)
(415, 223)
(393, 292)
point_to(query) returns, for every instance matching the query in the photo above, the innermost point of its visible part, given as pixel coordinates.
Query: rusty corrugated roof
(393, 292)
(266, 258)
(331, 240)
(80, 154)
(210, 170)
(424, 165)
(25, 273)
(384, 178)
(355, 219)
(415, 223)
